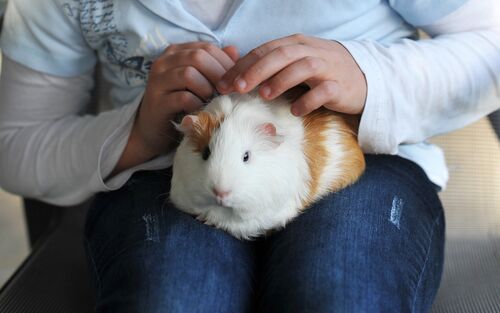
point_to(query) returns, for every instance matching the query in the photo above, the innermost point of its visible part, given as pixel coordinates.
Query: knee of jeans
(369, 209)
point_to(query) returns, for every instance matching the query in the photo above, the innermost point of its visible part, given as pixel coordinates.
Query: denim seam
(424, 267)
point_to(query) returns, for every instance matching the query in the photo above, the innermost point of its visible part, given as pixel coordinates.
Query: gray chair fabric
(55, 277)
(471, 280)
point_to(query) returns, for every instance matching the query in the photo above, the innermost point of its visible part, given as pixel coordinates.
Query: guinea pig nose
(220, 194)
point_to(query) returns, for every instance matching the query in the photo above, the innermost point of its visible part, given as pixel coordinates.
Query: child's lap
(136, 239)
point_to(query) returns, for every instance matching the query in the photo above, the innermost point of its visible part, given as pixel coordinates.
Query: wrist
(139, 146)
(135, 152)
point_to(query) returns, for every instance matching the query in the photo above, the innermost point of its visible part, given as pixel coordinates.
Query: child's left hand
(335, 79)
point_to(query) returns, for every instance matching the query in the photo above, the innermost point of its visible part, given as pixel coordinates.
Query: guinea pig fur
(247, 165)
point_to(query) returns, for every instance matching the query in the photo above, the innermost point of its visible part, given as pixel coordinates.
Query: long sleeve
(418, 89)
(49, 149)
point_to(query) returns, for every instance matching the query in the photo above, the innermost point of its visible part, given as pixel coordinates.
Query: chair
(471, 281)
(54, 277)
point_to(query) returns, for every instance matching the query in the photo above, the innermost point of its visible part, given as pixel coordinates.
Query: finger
(183, 101)
(270, 64)
(326, 92)
(219, 54)
(197, 58)
(232, 52)
(225, 85)
(305, 69)
(204, 62)
(188, 77)
(291, 76)
(175, 47)
(181, 78)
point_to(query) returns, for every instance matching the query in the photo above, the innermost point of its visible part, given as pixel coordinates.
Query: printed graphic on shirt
(130, 65)
(153, 43)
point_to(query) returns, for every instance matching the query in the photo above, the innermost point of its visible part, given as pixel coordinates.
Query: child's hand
(180, 80)
(335, 79)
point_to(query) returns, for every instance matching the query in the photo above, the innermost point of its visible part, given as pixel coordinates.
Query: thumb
(232, 52)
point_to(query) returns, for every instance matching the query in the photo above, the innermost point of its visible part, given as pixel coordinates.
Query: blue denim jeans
(376, 246)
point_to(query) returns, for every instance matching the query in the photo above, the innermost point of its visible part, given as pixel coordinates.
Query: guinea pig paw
(202, 218)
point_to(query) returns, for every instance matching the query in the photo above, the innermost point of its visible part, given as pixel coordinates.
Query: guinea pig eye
(206, 153)
(246, 156)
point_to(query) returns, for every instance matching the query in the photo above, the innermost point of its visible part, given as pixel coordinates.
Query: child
(376, 246)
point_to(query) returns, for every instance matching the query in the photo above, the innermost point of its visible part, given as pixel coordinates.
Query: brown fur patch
(315, 125)
(354, 164)
(203, 129)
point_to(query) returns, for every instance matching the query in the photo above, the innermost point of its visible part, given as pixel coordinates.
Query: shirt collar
(174, 12)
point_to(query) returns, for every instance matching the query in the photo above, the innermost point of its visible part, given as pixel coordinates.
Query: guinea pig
(248, 166)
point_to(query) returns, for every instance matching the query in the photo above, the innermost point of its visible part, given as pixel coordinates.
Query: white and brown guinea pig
(247, 165)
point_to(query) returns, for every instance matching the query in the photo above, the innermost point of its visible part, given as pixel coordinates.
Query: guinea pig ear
(269, 132)
(187, 124)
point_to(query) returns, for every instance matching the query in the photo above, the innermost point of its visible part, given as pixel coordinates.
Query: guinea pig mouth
(222, 202)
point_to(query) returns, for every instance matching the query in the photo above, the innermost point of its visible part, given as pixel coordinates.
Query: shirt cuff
(373, 133)
(113, 147)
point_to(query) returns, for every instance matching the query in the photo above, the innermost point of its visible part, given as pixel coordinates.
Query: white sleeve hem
(161, 162)
(113, 147)
(374, 126)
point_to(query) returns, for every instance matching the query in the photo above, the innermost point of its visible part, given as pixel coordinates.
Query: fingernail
(240, 83)
(265, 91)
(295, 111)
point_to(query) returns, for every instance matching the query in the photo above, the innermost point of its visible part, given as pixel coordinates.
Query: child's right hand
(180, 80)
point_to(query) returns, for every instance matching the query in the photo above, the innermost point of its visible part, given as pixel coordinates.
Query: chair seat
(55, 277)
(471, 280)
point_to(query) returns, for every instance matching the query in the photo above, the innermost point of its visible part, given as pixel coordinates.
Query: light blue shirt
(416, 89)
(59, 37)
